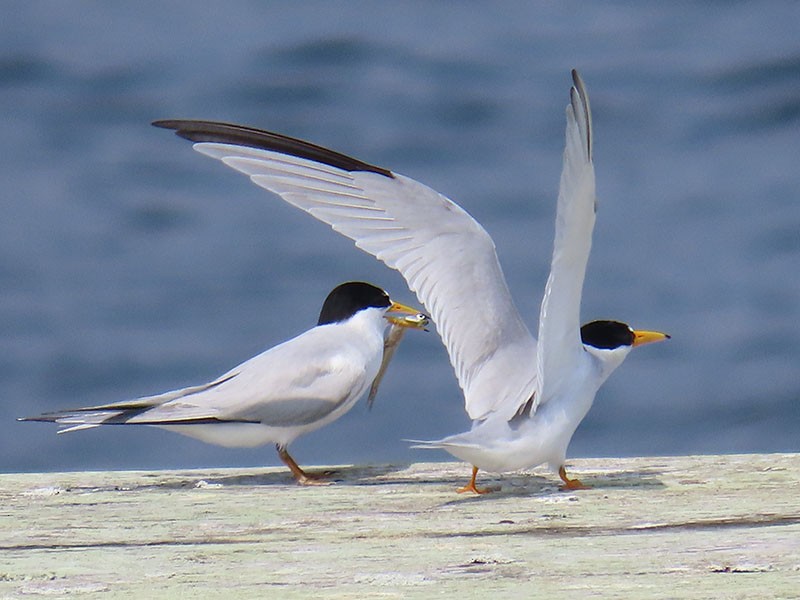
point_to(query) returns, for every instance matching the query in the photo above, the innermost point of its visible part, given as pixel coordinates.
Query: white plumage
(289, 390)
(525, 399)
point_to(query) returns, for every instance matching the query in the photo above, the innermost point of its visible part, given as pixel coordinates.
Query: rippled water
(130, 265)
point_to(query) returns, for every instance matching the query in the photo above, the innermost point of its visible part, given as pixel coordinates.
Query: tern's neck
(369, 322)
(607, 360)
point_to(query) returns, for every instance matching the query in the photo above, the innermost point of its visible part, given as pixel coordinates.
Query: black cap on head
(606, 335)
(348, 298)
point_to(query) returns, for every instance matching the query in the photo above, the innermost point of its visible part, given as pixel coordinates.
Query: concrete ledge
(685, 527)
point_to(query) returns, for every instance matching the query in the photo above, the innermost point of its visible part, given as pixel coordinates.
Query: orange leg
(470, 487)
(570, 484)
(301, 476)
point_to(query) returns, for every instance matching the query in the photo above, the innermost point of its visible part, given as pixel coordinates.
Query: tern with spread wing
(525, 398)
(293, 388)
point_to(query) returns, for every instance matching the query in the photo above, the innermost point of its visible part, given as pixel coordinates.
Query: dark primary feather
(587, 111)
(118, 413)
(77, 417)
(238, 135)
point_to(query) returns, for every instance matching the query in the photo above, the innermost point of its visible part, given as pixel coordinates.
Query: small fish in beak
(417, 320)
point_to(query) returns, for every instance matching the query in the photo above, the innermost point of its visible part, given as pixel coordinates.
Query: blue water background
(130, 265)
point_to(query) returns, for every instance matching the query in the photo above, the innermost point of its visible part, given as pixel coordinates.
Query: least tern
(293, 388)
(525, 398)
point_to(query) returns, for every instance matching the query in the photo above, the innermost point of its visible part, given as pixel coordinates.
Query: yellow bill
(641, 337)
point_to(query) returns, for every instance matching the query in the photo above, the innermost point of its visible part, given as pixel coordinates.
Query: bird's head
(349, 298)
(611, 341)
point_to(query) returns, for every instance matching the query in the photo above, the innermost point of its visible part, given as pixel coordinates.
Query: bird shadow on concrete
(272, 476)
(532, 485)
(449, 478)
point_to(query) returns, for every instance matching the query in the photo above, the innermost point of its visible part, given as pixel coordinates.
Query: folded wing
(293, 384)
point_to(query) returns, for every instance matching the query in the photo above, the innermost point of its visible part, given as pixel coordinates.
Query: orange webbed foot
(471, 487)
(312, 479)
(571, 484)
(299, 474)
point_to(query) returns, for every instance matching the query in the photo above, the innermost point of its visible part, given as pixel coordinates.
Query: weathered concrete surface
(689, 527)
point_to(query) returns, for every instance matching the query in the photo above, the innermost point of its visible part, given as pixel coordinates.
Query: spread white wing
(559, 319)
(445, 256)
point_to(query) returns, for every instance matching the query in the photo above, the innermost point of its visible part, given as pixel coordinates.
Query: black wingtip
(45, 418)
(579, 89)
(240, 135)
